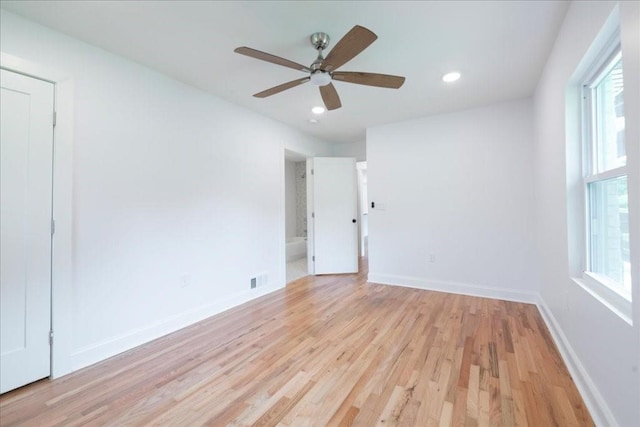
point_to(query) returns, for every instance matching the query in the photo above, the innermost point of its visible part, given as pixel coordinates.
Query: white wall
(290, 198)
(458, 186)
(354, 149)
(604, 348)
(177, 196)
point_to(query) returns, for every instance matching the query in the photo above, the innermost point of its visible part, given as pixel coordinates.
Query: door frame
(61, 349)
(311, 248)
(283, 217)
(362, 206)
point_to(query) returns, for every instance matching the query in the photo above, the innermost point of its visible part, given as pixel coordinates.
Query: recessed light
(317, 110)
(313, 121)
(451, 77)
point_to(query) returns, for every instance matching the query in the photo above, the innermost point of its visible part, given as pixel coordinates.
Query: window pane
(610, 120)
(609, 230)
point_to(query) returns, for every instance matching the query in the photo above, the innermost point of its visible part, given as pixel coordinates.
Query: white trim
(609, 64)
(598, 408)
(455, 288)
(608, 174)
(605, 291)
(62, 242)
(604, 60)
(99, 352)
(311, 234)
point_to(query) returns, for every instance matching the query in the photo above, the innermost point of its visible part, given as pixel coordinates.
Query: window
(608, 260)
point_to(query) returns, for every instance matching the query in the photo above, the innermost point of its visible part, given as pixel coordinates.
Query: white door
(26, 154)
(335, 210)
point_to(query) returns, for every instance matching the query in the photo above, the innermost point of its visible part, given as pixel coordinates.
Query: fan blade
(330, 97)
(354, 42)
(271, 58)
(282, 87)
(370, 79)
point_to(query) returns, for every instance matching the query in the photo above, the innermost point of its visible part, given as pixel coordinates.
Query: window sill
(596, 286)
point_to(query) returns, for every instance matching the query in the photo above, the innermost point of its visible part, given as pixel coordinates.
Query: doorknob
(353, 220)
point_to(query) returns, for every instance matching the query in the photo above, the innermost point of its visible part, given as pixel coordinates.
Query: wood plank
(349, 416)
(326, 350)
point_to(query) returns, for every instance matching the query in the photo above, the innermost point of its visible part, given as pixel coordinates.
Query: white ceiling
(499, 47)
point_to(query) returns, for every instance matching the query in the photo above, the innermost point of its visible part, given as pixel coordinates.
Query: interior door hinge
(313, 214)
(50, 337)
(55, 118)
(311, 171)
(313, 258)
(53, 226)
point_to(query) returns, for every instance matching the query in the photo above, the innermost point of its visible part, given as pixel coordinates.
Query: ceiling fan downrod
(320, 41)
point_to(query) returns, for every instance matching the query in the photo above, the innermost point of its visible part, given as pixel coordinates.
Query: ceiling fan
(324, 70)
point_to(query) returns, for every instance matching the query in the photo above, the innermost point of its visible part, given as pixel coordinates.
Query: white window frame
(608, 291)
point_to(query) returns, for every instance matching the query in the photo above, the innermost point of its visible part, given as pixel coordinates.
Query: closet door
(26, 157)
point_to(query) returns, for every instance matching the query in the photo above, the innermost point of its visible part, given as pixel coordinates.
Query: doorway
(321, 215)
(295, 216)
(26, 145)
(363, 207)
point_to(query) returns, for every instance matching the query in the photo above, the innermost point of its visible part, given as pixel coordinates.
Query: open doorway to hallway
(295, 215)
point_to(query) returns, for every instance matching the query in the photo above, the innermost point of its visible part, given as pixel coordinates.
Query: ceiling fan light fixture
(318, 110)
(320, 78)
(451, 77)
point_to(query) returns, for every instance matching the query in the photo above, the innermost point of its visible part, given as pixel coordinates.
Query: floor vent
(259, 280)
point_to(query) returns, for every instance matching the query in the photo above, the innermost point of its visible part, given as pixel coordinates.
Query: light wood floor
(329, 350)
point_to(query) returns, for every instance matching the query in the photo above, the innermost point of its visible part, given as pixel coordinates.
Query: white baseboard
(598, 408)
(596, 405)
(98, 352)
(456, 288)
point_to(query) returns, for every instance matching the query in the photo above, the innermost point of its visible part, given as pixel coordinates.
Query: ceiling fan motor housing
(320, 40)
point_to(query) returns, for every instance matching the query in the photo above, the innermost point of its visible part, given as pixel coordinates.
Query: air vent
(259, 280)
